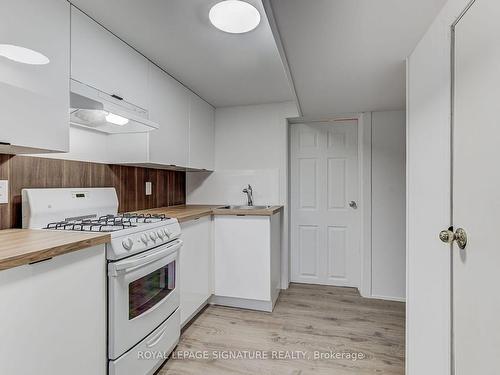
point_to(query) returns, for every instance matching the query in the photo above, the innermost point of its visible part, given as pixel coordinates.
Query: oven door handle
(129, 265)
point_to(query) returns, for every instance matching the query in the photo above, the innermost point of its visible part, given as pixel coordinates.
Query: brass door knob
(460, 236)
(447, 236)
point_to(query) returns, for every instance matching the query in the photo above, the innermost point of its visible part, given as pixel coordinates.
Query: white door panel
(337, 252)
(476, 187)
(308, 262)
(324, 179)
(308, 183)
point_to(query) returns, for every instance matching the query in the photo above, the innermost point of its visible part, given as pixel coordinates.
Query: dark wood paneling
(76, 174)
(4, 208)
(162, 195)
(168, 187)
(128, 194)
(101, 175)
(26, 172)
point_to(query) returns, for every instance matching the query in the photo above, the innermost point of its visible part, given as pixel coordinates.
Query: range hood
(96, 110)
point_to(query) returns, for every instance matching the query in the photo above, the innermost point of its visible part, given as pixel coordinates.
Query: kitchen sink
(244, 207)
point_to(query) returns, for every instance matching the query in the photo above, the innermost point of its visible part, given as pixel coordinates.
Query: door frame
(364, 121)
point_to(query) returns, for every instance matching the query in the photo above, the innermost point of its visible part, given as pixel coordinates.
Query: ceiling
(177, 35)
(348, 55)
(343, 56)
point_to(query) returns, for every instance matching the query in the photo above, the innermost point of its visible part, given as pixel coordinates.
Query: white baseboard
(244, 303)
(395, 299)
(202, 306)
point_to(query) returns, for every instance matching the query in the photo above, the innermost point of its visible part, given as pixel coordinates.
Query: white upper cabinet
(35, 98)
(101, 60)
(201, 133)
(185, 137)
(169, 107)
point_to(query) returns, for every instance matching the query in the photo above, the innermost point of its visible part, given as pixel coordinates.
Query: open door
(476, 191)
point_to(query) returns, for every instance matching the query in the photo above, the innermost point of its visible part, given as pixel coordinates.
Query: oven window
(146, 292)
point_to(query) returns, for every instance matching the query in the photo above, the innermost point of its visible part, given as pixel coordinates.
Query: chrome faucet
(248, 191)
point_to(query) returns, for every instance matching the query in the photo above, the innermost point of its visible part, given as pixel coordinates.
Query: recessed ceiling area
(348, 55)
(224, 69)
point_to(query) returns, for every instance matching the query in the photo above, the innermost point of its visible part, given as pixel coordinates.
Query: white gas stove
(96, 210)
(143, 277)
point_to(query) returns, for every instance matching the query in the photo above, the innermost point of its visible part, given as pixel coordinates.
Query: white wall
(98, 147)
(388, 205)
(428, 198)
(251, 147)
(225, 186)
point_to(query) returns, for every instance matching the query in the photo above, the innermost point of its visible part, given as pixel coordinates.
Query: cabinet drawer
(147, 356)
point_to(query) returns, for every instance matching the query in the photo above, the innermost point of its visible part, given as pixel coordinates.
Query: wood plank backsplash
(169, 187)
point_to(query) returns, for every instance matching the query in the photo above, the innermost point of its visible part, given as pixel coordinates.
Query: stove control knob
(168, 233)
(144, 238)
(127, 243)
(153, 236)
(161, 234)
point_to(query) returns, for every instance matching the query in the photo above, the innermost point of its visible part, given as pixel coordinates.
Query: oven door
(143, 291)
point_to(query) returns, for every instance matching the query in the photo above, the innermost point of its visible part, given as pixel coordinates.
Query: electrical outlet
(149, 188)
(4, 191)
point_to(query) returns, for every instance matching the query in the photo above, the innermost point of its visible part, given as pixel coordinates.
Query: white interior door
(325, 228)
(476, 190)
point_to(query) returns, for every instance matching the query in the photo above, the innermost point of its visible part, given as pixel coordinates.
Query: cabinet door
(101, 60)
(35, 98)
(201, 134)
(242, 257)
(169, 107)
(195, 266)
(53, 316)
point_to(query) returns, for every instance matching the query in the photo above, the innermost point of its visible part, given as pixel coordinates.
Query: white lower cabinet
(53, 316)
(196, 266)
(247, 254)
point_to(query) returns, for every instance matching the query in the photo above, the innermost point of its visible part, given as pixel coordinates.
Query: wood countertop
(24, 246)
(271, 210)
(181, 213)
(185, 213)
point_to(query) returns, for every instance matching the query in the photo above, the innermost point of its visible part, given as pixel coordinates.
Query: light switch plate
(149, 188)
(4, 191)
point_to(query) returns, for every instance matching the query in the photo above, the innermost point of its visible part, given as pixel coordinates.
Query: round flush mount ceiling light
(23, 55)
(234, 16)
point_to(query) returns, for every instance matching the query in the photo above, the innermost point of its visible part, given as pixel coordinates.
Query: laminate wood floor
(307, 320)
